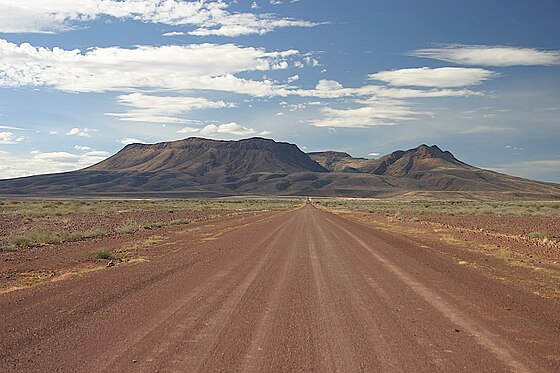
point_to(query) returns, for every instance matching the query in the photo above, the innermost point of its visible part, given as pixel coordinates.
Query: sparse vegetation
(45, 237)
(102, 254)
(179, 222)
(505, 254)
(129, 229)
(23, 242)
(538, 235)
(36, 223)
(450, 207)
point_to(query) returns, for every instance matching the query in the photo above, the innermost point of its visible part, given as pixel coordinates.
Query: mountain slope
(418, 160)
(197, 157)
(199, 168)
(342, 162)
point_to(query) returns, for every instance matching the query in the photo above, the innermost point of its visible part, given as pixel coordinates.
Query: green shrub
(505, 254)
(128, 229)
(102, 254)
(23, 241)
(179, 222)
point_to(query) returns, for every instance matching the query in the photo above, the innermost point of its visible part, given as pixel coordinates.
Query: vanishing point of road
(300, 290)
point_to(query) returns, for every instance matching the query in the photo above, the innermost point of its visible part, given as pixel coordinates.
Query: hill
(197, 157)
(197, 167)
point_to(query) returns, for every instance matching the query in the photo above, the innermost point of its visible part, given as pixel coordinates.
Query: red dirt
(303, 290)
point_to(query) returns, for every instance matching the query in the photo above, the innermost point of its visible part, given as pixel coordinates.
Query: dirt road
(302, 290)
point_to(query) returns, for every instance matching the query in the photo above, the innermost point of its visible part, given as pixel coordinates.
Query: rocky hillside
(199, 168)
(197, 157)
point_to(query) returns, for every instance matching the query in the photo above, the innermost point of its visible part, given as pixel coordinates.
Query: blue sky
(78, 80)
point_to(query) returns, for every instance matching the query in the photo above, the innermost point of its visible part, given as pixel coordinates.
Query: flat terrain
(302, 289)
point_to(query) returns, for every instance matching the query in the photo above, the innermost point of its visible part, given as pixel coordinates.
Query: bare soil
(296, 290)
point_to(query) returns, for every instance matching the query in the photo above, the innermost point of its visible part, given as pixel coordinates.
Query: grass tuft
(505, 254)
(23, 242)
(129, 229)
(102, 254)
(179, 222)
(538, 235)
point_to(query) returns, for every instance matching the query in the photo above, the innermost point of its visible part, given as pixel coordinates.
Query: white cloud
(189, 130)
(53, 133)
(43, 163)
(254, 5)
(98, 153)
(443, 77)
(86, 132)
(275, 2)
(227, 128)
(333, 89)
(489, 55)
(173, 33)
(163, 109)
(11, 128)
(310, 61)
(292, 79)
(129, 140)
(198, 66)
(371, 113)
(223, 129)
(328, 85)
(210, 17)
(374, 154)
(9, 138)
(295, 107)
(82, 148)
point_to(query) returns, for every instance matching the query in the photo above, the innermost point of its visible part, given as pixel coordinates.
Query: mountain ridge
(198, 167)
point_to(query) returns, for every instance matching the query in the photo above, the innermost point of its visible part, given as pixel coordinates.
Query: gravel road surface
(301, 290)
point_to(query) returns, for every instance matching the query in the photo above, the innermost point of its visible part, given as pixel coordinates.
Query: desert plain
(279, 284)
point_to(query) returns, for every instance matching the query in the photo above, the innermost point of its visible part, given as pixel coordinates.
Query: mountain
(201, 168)
(341, 162)
(435, 170)
(399, 163)
(197, 157)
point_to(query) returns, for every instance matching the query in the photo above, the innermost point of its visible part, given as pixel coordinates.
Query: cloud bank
(443, 77)
(197, 66)
(163, 109)
(490, 55)
(208, 17)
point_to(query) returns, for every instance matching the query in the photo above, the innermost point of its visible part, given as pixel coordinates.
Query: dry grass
(450, 207)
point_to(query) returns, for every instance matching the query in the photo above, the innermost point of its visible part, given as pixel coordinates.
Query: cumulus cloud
(209, 17)
(82, 148)
(328, 85)
(9, 138)
(223, 129)
(443, 77)
(292, 79)
(130, 140)
(86, 132)
(199, 66)
(37, 162)
(163, 109)
(490, 55)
